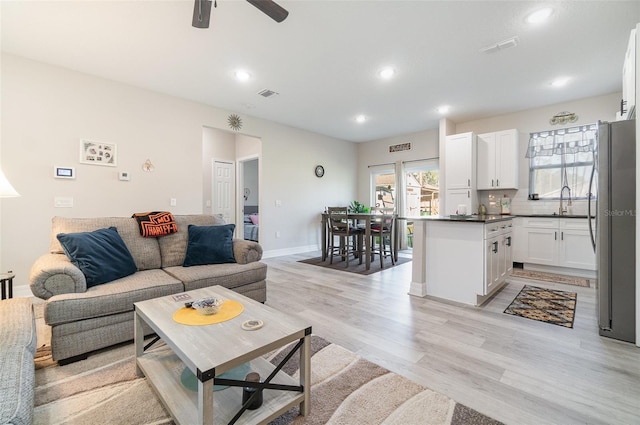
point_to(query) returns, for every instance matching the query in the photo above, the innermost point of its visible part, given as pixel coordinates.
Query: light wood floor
(515, 370)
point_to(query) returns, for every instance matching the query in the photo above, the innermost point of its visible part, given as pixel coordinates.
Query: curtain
(563, 141)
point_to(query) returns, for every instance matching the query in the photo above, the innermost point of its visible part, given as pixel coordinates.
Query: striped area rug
(346, 389)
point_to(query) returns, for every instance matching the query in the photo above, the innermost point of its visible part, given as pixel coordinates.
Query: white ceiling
(324, 58)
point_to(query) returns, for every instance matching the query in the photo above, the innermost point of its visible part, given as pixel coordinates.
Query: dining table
(365, 220)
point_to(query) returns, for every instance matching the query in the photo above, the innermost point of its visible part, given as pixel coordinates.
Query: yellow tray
(189, 316)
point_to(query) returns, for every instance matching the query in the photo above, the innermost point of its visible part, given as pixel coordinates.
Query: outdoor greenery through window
(561, 158)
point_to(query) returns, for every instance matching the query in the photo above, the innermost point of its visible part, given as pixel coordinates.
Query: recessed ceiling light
(387, 73)
(443, 109)
(242, 75)
(560, 82)
(539, 16)
(361, 118)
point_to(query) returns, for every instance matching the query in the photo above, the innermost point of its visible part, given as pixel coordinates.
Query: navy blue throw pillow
(101, 255)
(210, 245)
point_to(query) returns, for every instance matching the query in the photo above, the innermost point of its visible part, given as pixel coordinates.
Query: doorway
(249, 198)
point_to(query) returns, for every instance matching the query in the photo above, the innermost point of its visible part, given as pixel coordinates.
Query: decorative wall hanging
(563, 118)
(401, 147)
(148, 166)
(235, 123)
(98, 153)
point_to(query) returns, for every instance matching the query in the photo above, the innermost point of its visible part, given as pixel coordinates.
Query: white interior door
(224, 190)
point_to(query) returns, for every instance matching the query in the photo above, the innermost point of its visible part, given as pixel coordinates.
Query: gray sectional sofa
(17, 348)
(84, 319)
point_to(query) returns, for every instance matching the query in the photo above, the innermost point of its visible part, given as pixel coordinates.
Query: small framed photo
(64, 172)
(98, 153)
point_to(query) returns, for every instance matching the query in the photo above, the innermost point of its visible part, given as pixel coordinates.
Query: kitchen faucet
(562, 210)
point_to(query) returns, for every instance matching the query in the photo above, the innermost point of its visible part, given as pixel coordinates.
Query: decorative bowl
(207, 306)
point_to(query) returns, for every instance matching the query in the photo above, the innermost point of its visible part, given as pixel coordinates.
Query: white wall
(46, 110)
(424, 145)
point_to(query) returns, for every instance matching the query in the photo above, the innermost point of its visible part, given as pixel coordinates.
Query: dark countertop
(468, 218)
(554, 215)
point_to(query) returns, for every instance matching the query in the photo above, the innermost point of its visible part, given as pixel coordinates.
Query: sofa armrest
(246, 252)
(54, 274)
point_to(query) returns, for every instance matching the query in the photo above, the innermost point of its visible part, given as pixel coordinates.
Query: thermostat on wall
(64, 172)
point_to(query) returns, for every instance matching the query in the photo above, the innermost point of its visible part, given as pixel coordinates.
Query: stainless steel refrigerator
(615, 230)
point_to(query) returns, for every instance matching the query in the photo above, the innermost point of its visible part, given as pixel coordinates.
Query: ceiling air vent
(504, 44)
(267, 93)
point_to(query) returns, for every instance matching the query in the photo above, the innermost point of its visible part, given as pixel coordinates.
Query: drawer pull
(495, 247)
(508, 240)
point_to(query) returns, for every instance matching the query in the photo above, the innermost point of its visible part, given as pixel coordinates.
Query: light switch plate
(63, 202)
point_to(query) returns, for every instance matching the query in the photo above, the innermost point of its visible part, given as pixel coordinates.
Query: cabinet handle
(468, 194)
(469, 182)
(495, 247)
(555, 236)
(491, 182)
(561, 236)
(498, 182)
(508, 240)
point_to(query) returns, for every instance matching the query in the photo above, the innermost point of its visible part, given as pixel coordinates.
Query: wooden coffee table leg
(305, 375)
(205, 402)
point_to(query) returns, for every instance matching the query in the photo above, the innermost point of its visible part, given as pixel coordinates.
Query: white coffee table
(211, 350)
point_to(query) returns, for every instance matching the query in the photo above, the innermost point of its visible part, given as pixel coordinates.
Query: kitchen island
(463, 259)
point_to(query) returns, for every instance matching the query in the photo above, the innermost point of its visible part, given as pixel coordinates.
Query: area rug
(551, 277)
(346, 389)
(544, 305)
(354, 267)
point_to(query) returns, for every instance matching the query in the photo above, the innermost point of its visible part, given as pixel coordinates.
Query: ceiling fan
(202, 11)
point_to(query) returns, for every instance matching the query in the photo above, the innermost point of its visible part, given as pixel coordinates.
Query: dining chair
(348, 236)
(382, 231)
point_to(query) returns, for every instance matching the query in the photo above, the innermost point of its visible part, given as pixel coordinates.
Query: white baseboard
(289, 251)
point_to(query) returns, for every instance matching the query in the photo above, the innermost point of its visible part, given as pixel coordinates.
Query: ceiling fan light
(361, 119)
(443, 109)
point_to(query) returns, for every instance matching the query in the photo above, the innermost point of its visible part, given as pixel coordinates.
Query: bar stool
(382, 229)
(348, 236)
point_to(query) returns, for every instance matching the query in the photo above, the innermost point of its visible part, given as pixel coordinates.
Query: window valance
(563, 141)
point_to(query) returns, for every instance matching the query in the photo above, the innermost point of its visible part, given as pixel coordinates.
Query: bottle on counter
(505, 205)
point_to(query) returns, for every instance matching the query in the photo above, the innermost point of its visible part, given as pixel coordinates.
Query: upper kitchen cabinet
(460, 161)
(460, 173)
(629, 79)
(498, 160)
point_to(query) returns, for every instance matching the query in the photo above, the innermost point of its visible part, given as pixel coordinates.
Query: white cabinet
(498, 254)
(460, 172)
(497, 159)
(457, 197)
(559, 242)
(629, 76)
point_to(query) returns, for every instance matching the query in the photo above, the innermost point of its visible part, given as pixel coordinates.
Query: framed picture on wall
(98, 153)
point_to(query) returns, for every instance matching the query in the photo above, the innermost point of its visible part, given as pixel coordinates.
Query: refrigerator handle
(589, 216)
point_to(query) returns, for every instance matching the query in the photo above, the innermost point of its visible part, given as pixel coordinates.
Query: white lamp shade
(6, 190)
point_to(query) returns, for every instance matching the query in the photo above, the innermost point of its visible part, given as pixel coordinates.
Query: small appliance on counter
(505, 205)
(482, 209)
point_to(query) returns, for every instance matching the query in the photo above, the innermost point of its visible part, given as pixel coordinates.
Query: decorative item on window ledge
(235, 123)
(563, 118)
(148, 166)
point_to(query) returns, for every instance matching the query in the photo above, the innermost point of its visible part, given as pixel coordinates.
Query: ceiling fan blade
(271, 9)
(201, 13)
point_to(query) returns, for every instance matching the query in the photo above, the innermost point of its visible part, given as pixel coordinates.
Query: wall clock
(319, 171)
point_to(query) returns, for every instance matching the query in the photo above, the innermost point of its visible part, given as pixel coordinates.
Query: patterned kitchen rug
(545, 305)
(551, 277)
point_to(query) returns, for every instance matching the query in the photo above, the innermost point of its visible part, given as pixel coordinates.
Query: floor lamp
(6, 279)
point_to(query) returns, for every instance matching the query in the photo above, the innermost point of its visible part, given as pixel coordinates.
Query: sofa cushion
(173, 248)
(209, 245)
(114, 297)
(101, 255)
(228, 275)
(145, 251)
